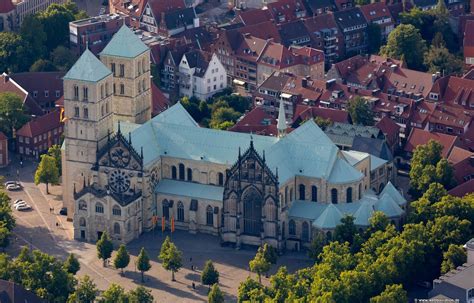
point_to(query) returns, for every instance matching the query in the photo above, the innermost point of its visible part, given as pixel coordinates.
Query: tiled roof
(159, 101)
(88, 68)
(469, 33)
(376, 11)
(304, 112)
(254, 16)
(178, 18)
(292, 31)
(350, 17)
(41, 82)
(314, 5)
(286, 9)
(388, 126)
(40, 125)
(450, 115)
(420, 136)
(455, 90)
(464, 170)
(163, 6)
(458, 154)
(264, 30)
(125, 44)
(256, 121)
(6, 6)
(9, 85)
(373, 146)
(463, 189)
(190, 189)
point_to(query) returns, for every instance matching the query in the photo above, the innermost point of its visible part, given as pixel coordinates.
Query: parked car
(19, 202)
(63, 211)
(13, 187)
(23, 207)
(10, 183)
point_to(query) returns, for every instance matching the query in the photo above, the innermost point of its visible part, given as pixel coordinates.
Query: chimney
(6, 78)
(196, 22)
(469, 246)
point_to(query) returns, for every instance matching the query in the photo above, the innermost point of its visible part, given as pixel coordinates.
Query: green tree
(140, 295)
(62, 58)
(421, 20)
(55, 152)
(170, 257)
(104, 248)
(204, 109)
(143, 263)
(259, 264)
(122, 258)
(114, 294)
(47, 172)
(192, 107)
(32, 31)
(374, 34)
(360, 111)
(322, 123)
(55, 20)
(6, 215)
(215, 295)
(270, 253)
(345, 231)
(405, 41)
(5, 234)
(12, 112)
(250, 291)
(377, 222)
(362, 2)
(392, 294)
(86, 291)
(439, 59)
(42, 65)
(72, 265)
(223, 114)
(317, 244)
(209, 275)
(453, 257)
(15, 54)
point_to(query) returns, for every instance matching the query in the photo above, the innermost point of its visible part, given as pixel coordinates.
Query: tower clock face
(120, 157)
(119, 181)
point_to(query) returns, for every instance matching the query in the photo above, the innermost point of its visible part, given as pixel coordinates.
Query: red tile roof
(376, 11)
(388, 126)
(455, 90)
(256, 121)
(264, 30)
(6, 6)
(464, 170)
(162, 6)
(40, 82)
(419, 137)
(450, 115)
(9, 85)
(2, 136)
(458, 154)
(305, 112)
(159, 100)
(463, 189)
(40, 125)
(254, 16)
(286, 9)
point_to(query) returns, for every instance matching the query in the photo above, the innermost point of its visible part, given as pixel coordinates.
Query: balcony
(329, 38)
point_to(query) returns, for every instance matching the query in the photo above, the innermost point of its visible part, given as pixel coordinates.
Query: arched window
(305, 232)
(334, 196)
(314, 193)
(286, 195)
(129, 226)
(166, 209)
(291, 194)
(102, 91)
(180, 211)
(220, 180)
(302, 192)
(190, 174)
(270, 210)
(76, 92)
(209, 216)
(360, 191)
(122, 89)
(181, 171)
(116, 211)
(99, 208)
(106, 89)
(82, 222)
(173, 172)
(292, 228)
(117, 229)
(349, 195)
(82, 205)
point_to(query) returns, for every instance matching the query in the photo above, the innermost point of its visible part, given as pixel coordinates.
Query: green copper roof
(342, 172)
(394, 193)
(190, 189)
(376, 162)
(329, 219)
(88, 68)
(363, 213)
(124, 44)
(388, 206)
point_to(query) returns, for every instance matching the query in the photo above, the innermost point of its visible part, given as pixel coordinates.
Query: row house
(378, 13)
(294, 33)
(354, 29)
(38, 135)
(168, 18)
(7, 84)
(169, 78)
(201, 76)
(131, 8)
(468, 43)
(319, 7)
(454, 90)
(287, 10)
(253, 16)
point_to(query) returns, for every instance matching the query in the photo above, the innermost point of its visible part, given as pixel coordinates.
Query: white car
(13, 187)
(22, 207)
(19, 203)
(10, 183)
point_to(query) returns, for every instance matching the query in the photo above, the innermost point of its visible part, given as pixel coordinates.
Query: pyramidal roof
(330, 218)
(363, 214)
(387, 205)
(281, 117)
(124, 44)
(394, 193)
(88, 68)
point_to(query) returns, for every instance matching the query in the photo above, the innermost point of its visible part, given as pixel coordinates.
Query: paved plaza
(37, 229)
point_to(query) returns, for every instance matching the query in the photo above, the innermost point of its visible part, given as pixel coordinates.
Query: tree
(5, 234)
(6, 211)
(360, 111)
(114, 294)
(86, 291)
(439, 59)
(209, 275)
(215, 295)
(423, 21)
(345, 231)
(405, 41)
(249, 291)
(270, 253)
(62, 58)
(122, 258)
(104, 248)
(362, 2)
(140, 295)
(223, 114)
(32, 31)
(47, 172)
(322, 123)
(453, 257)
(42, 65)
(12, 112)
(143, 263)
(377, 222)
(55, 152)
(392, 294)
(55, 20)
(192, 107)
(259, 264)
(374, 34)
(72, 265)
(15, 55)
(316, 246)
(170, 257)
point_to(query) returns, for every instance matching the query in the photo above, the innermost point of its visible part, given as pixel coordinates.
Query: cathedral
(121, 167)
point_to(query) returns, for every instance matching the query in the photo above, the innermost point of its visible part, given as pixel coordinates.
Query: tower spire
(281, 125)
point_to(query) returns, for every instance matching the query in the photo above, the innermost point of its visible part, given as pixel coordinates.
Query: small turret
(281, 125)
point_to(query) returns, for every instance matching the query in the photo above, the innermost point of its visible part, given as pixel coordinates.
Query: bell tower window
(85, 92)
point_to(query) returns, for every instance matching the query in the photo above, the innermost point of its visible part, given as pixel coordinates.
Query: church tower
(129, 60)
(89, 119)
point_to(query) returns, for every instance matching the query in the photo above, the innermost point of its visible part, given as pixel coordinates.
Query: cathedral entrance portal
(252, 212)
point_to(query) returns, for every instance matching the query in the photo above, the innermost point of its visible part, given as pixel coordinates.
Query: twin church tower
(98, 94)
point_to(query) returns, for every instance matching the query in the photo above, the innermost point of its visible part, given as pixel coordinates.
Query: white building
(201, 77)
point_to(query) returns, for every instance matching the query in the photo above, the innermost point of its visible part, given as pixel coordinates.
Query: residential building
(132, 8)
(305, 112)
(45, 87)
(343, 135)
(344, 4)
(353, 26)
(257, 121)
(468, 43)
(4, 159)
(378, 13)
(169, 80)
(38, 135)
(7, 84)
(95, 32)
(455, 91)
(419, 137)
(24, 8)
(319, 7)
(294, 33)
(391, 131)
(253, 16)
(287, 10)
(201, 76)
(7, 16)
